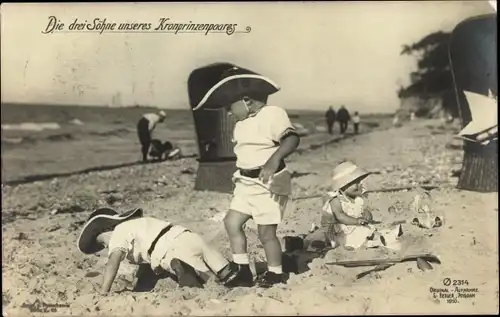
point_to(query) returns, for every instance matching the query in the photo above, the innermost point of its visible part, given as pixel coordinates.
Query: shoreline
(310, 146)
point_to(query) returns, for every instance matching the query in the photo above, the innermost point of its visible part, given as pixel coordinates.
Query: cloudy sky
(318, 53)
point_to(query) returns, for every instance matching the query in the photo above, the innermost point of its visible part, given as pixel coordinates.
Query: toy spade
(378, 268)
(423, 264)
(357, 263)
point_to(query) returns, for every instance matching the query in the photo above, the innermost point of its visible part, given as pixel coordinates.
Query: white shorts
(189, 247)
(258, 202)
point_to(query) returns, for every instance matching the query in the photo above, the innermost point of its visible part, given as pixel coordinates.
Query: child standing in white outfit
(263, 137)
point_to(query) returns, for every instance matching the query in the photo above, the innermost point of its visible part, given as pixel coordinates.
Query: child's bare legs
(234, 222)
(272, 247)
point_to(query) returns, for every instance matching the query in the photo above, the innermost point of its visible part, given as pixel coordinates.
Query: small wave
(76, 121)
(31, 126)
(298, 125)
(13, 142)
(30, 140)
(301, 130)
(320, 128)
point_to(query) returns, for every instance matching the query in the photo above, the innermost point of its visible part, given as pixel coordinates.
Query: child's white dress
(352, 235)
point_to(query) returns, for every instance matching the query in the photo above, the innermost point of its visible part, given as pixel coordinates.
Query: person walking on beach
(145, 128)
(343, 117)
(263, 137)
(163, 245)
(330, 119)
(355, 120)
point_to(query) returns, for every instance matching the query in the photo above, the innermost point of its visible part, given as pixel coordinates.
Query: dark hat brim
(234, 88)
(102, 221)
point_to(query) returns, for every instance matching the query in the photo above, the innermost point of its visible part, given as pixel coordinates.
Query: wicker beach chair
(473, 61)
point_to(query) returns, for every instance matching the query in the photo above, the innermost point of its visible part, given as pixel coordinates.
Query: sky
(320, 54)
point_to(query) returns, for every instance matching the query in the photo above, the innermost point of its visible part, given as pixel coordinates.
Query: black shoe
(186, 274)
(269, 279)
(241, 276)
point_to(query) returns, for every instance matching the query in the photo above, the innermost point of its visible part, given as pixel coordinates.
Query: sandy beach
(44, 272)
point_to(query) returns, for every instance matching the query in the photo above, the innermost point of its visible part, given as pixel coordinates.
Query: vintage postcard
(253, 158)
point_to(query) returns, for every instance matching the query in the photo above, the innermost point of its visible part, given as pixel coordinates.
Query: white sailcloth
(493, 4)
(484, 112)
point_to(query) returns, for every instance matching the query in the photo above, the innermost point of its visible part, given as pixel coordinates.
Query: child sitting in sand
(344, 220)
(263, 137)
(165, 246)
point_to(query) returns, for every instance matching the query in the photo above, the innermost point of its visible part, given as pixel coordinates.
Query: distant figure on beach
(412, 115)
(355, 120)
(396, 121)
(263, 137)
(145, 128)
(166, 247)
(330, 119)
(343, 118)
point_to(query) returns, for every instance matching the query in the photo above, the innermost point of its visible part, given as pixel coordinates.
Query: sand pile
(43, 271)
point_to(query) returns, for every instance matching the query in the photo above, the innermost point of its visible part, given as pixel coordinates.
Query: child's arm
(288, 144)
(111, 270)
(368, 215)
(342, 217)
(119, 245)
(280, 130)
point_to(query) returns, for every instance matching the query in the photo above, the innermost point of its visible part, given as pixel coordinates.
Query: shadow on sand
(147, 279)
(296, 262)
(293, 262)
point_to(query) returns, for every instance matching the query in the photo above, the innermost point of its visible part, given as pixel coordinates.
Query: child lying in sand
(344, 221)
(165, 246)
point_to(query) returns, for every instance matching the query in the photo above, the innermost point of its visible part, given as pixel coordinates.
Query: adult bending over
(145, 128)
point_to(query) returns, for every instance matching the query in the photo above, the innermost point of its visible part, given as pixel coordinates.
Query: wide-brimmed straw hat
(218, 85)
(345, 173)
(101, 220)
